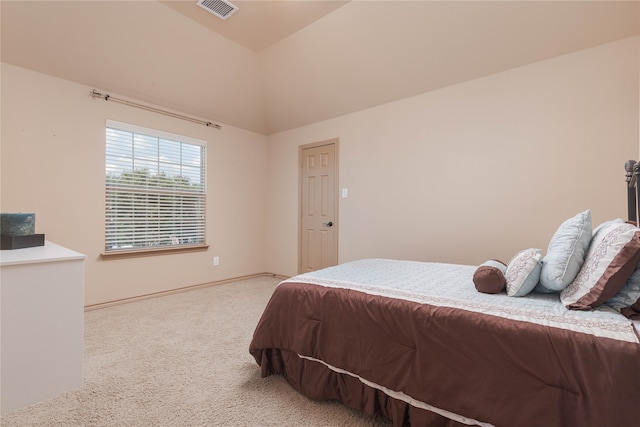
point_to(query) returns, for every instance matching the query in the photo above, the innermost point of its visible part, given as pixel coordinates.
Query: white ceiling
(276, 65)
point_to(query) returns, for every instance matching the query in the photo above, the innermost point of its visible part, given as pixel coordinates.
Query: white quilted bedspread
(451, 285)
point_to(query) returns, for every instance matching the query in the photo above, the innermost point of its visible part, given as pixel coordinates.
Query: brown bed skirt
(318, 382)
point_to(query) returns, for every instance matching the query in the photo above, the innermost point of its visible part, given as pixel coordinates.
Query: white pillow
(612, 258)
(566, 252)
(523, 272)
(607, 223)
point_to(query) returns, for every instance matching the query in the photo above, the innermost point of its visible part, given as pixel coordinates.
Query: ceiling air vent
(221, 8)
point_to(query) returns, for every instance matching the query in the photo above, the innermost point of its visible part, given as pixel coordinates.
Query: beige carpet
(182, 360)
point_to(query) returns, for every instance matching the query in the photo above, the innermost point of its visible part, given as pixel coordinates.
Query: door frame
(301, 148)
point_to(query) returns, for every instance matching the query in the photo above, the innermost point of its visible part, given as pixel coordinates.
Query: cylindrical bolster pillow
(489, 277)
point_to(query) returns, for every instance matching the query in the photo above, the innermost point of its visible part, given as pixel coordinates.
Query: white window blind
(155, 189)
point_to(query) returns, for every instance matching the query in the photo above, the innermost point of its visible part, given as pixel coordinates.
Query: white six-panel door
(318, 207)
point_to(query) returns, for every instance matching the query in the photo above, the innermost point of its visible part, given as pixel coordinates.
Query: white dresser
(41, 324)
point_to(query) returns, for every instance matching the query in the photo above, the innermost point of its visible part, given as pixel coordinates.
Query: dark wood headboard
(633, 189)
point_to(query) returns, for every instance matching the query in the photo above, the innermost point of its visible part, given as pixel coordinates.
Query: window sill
(152, 252)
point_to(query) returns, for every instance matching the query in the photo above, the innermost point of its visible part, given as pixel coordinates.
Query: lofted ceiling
(259, 24)
(277, 65)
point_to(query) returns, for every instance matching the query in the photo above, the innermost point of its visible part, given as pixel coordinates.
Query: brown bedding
(409, 360)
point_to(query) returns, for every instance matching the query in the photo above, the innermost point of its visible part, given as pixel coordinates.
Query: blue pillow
(566, 252)
(523, 272)
(539, 289)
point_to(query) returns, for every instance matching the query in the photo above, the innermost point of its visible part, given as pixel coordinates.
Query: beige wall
(53, 164)
(473, 171)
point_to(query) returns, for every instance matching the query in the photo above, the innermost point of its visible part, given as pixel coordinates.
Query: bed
(417, 342)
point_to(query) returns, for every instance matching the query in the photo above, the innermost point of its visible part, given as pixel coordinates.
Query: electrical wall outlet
(216, 260)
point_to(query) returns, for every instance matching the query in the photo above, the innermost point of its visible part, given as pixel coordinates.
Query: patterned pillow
(566, 252)
(606, 224)
(489, 277)
(627, 301)
(523, 272)
(611, 259)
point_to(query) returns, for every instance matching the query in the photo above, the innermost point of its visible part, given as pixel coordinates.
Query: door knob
(328, 224)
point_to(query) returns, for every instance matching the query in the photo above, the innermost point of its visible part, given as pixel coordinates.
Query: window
(155, 189)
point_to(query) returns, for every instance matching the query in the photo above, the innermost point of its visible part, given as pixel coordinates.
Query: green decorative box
(19, 242)
(17, 224)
